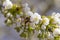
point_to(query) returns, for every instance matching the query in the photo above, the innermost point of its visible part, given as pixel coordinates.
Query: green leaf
(30, 29)
(23, 34)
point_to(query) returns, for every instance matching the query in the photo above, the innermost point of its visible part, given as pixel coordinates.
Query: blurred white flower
(29, 13)
(8, 21)
(7, 4)
(54, 14)
(25, 7)
(55, 18)
(27, 10)
(50, 36)
(35, 18)
(9, 15)
(43, 27)
(57, 15)
(45, 21)
(56, 32)
(40, 32)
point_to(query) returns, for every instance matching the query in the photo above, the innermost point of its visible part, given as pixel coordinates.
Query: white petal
(43, 27)
(7, 4)
(45, 21)
(35, 18)
(56, 31)
(29, 13)
(9, 14)
(26, 9)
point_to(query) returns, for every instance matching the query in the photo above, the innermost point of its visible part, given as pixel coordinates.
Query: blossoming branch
(27, 23)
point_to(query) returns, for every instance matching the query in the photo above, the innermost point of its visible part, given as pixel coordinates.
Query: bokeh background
(43, 7)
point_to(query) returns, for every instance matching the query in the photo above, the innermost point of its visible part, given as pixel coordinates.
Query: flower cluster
(26, 22)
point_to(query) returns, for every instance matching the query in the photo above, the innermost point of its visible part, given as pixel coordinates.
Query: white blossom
(57, 15)
(56, 31)
(29, 13)
(56, 18)
(9, 14)
(7, 4)
(27, 10)
(40, 32)
(43, 27)
(8, 21)
(54, 14)
(25, 7)
(45, 21)
(50, 36)
(35, 18)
